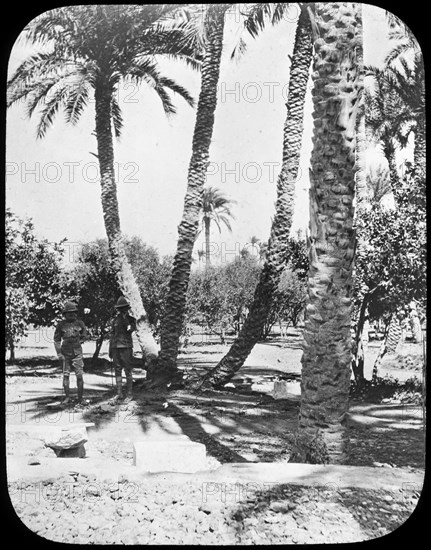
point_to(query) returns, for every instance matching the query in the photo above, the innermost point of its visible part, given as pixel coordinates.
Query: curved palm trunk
(326, 359)
(276, 255)
(207, 223)
(187, 230)
(125, 277)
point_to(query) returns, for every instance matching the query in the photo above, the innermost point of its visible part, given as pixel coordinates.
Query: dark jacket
(68, 337)
(121, 332)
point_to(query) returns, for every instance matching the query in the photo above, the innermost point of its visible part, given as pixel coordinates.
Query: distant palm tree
(255, 243)
(396, 108)
(378, 182)
(92, 50)
(383, 122)
(201, 255)
(215, 208)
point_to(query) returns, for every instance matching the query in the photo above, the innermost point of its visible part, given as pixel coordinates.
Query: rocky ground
(241, 424)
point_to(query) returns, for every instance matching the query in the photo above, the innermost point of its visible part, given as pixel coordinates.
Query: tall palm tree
(92, 49)
(213, 28)
(337, 81)
(276, 253)
(215, 208)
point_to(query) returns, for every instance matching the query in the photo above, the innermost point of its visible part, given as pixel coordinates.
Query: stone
(68, 442)
(279, 506)
(67, 438)
(283, 389)
(178, 454)
(33, 461)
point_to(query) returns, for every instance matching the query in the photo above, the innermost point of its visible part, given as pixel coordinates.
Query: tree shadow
(386, 435)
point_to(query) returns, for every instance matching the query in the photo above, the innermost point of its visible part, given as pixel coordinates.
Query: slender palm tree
(276, 253)
(92, 49)
(215, 208)
(213, 29)
(337, 82)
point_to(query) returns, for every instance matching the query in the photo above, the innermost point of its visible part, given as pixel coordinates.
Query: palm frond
(51, 108)
(117, 117)
(79, 91)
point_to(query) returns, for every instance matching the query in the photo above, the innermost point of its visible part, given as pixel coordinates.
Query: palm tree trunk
(125, 277)
(326, 359)
(362, 202)
(11, 350)
(207, 223)
(389, 152)
(176, 299)
(99, 343)
(358, 359)
(277, 251)
(392, 337)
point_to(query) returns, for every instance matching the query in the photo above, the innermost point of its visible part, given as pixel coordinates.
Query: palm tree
(255, 243)
(407, 81)
(201, 255)
(378, 182)
(383, 121)
(396, 109)
(276, 253)
(337, 81)
(213, 28)
(215, 208)
(90, 49)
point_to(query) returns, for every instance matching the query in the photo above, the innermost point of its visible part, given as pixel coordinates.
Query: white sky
(63, 199)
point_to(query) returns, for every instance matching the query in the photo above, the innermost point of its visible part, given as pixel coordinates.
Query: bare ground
(239, 424)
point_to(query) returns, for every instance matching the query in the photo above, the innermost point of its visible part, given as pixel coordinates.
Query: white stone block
(283, 389)
(178, 454)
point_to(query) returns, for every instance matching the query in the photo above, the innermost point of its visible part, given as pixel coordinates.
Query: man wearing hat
(121, 346)
(69, 335)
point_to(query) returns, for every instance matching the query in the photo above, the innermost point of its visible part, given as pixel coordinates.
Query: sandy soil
(240, 424)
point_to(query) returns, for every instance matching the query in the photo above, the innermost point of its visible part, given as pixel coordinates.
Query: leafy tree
(93, 282)
(35, 283)
(290, 295)
(217, 296)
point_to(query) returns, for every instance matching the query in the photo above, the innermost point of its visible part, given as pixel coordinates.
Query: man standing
(69, 336)
(121, 346)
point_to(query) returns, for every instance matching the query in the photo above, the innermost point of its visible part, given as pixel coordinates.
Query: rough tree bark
(187, 230)
(326, 361)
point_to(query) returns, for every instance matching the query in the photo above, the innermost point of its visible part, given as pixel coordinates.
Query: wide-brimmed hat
(122, 303)
(69, 306)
